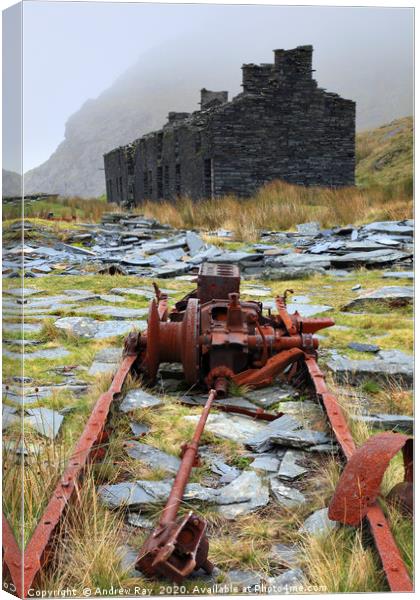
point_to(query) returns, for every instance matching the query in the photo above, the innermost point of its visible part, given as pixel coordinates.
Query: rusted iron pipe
(170, 511)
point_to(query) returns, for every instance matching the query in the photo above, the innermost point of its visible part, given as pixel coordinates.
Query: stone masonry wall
(282, 126)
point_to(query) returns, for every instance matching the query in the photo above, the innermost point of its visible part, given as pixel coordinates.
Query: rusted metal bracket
(360, 481)
(24, 566)
(392, 562)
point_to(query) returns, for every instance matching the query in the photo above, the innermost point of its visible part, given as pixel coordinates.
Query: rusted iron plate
(361, 479)
(38, 543)
(393, 564)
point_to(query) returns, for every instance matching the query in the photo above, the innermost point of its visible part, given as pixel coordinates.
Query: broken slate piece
(135, 399)
(139, 429)
(227, 472)
(398, 275)
(45, 421)
(392, 296)
(244, 495)
(286, 496)
(387, 365)
(231, 427)
(194, 242)
(388, 422)
(152, 457)
(285, 431)
(270, 464)
(318, 523)
(290, 581)
(266, 397)
(289, 469)
(243, 582)
(363, 347)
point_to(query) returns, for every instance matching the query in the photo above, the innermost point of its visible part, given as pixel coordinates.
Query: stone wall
(282, 126)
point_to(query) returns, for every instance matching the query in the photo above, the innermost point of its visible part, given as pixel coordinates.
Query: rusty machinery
(221, 340)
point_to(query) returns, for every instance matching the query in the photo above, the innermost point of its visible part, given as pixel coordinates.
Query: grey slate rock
(45, 421)
(152, 457)
(388, 422)
(243, 581)
(139, 429)
(287, 556)
(244, 495)
(137, 520)
(388, 296)
(45, 353)
(318, 523)
(398, 275)
(285, 431)
(289, 469)
(194, 242)
(226, 472)
(290, 273)
(290, 581)
(270, 464)
(116, 312)
(231, 427)
(392, 364)
(268, 396)
(137, 398)
(284, 495)
(363, 347)
(312, 228)
(84, 327)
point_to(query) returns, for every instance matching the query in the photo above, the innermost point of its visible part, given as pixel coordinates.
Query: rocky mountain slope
(11, 183)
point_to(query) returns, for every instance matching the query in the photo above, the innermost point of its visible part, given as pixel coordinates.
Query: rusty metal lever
(178, 547)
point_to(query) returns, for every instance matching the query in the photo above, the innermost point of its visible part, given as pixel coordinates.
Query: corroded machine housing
(219, 338)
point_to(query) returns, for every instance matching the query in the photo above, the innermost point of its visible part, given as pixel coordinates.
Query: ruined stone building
(281, 126)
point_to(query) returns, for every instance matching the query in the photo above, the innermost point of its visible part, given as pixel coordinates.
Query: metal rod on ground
(178, 547)
(189, 457)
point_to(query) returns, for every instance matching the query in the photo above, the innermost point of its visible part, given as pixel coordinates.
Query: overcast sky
(74, 50)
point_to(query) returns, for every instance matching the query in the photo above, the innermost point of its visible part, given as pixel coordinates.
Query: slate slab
(289, 468)
(392, 296)
(285, 431)
(318, 523)
(116, 312)
(386, 366)
(152, 457)
(244, 495)
(286, 496)
(231, 427)
(139, 429)
(45, 421)
(45, 353)
(243, 582)
(269, 464)
(226, 472)
(398, 275)
(291, 581)
(137, 398)
(268, 396)
(386, 421)
(363, 347)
